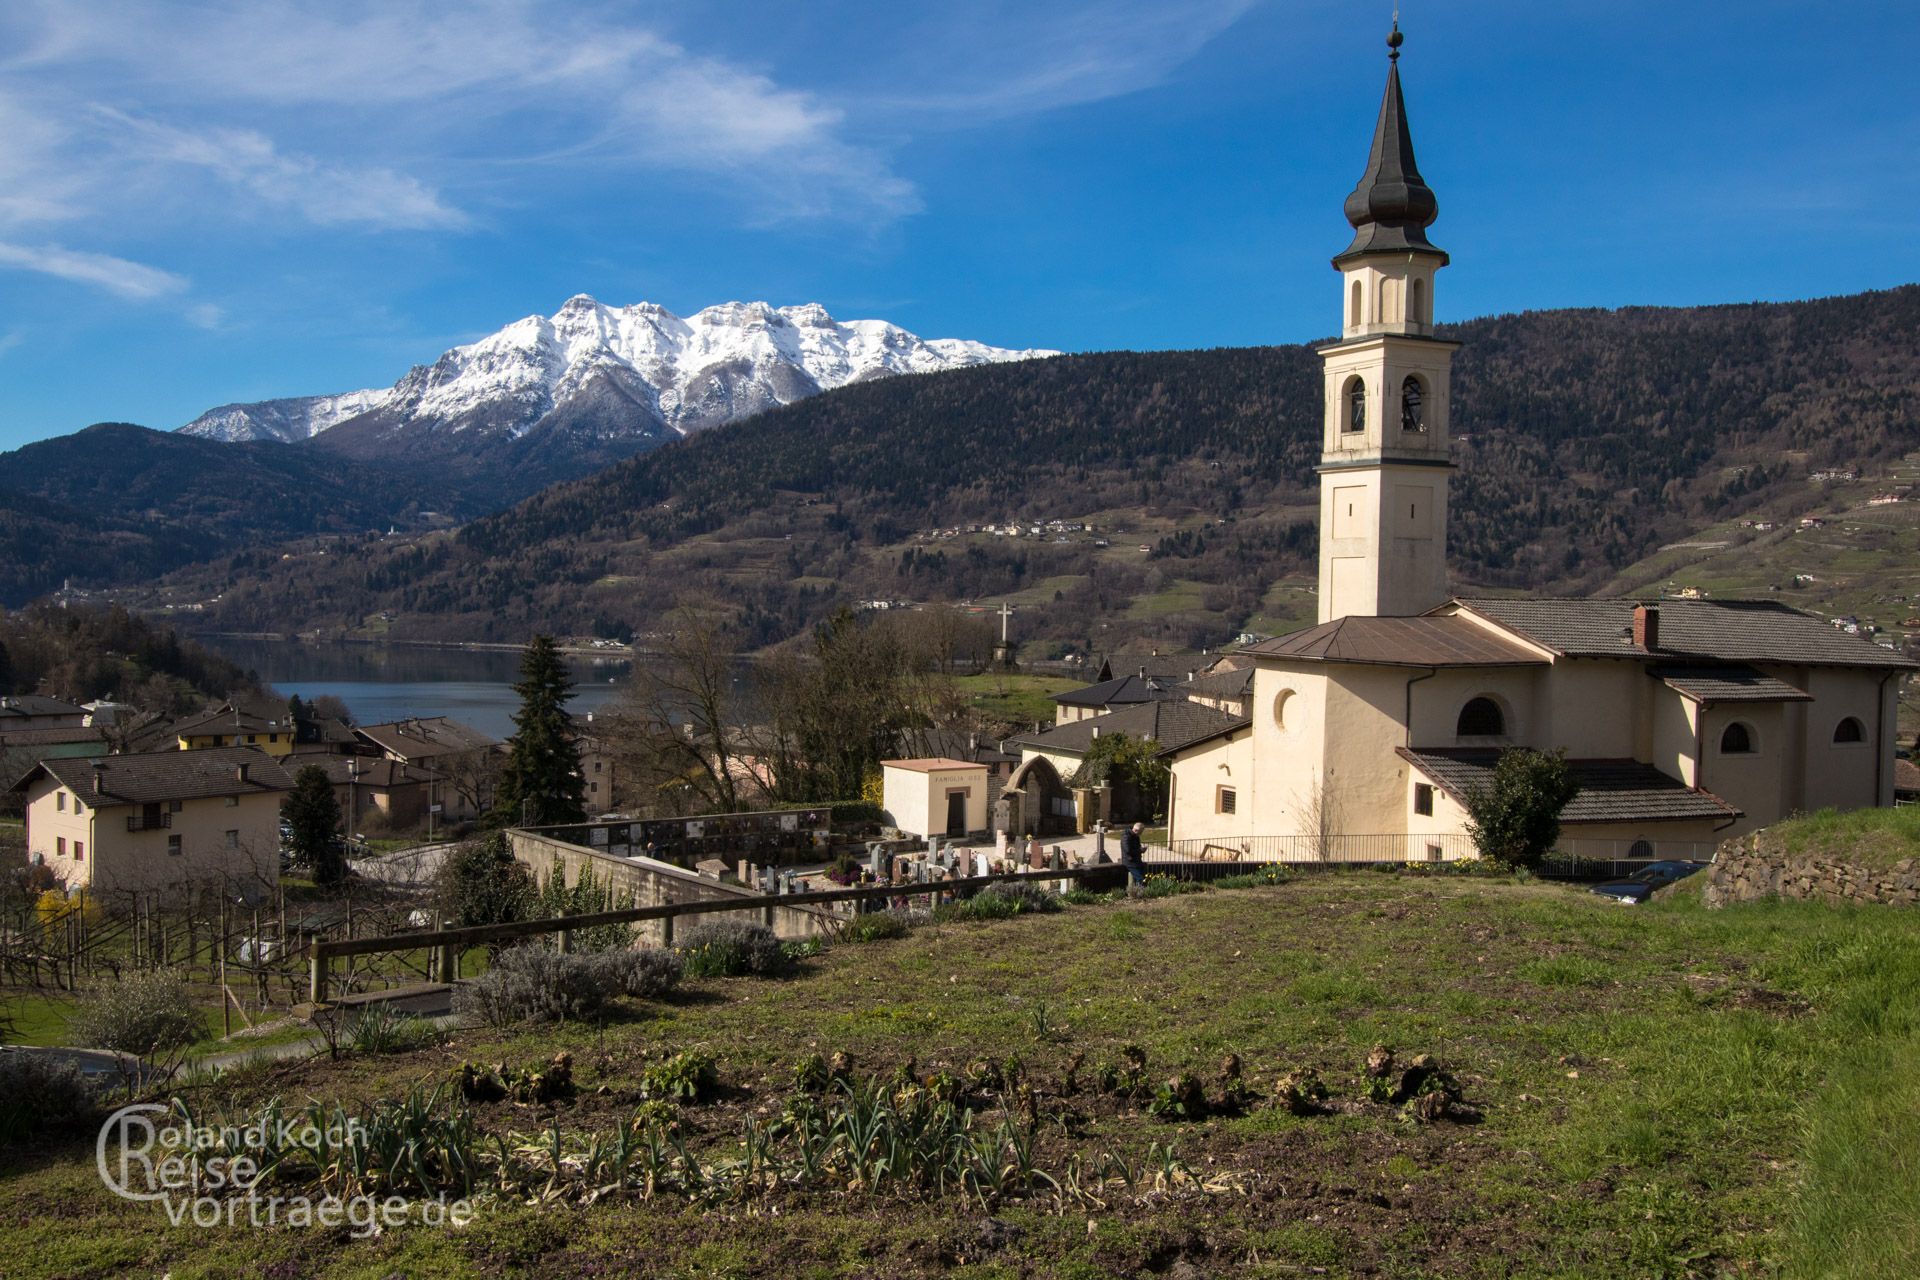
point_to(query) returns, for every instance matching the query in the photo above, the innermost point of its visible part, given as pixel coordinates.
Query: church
(1684, 721)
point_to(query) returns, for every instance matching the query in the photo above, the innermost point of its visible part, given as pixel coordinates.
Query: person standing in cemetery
(1133, 854)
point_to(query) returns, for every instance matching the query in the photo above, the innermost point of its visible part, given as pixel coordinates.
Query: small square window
(79, 850)
(252, 738)
(59, 802)
(1227, 800)
(233, 839)
(173, 845)
(1423, 799)
(60, 846)
(173, 806)
(233, 802)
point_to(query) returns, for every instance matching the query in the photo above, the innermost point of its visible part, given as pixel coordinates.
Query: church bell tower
(1384, 458)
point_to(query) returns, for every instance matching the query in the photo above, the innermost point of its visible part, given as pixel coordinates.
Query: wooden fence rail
(446, 944)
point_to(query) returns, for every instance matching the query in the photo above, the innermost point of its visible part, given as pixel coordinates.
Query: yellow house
(229, 726)
(1684, 720)
(158, 821)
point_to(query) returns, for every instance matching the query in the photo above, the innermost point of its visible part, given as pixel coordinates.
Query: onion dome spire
(1393, 206)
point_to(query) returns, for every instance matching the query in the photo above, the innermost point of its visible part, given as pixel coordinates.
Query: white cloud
(1044, 56)
(11, 339)
(322, 193)
(115, 275)
(387, 107)
(205, 315)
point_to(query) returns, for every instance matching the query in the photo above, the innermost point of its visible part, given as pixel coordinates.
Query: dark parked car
(1639, 886)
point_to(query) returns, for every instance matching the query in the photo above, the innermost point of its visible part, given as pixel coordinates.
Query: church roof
(1431, 641)
(1610, 790)
(1172, 724)
(1393, 206)
(1735, 683)
(1712, 631)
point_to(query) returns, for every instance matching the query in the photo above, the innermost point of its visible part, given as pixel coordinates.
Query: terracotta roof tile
(1172, 725)
(1714, 630)
(1735, 682)
(1610, 790)
(1433, 641)
(154, 776)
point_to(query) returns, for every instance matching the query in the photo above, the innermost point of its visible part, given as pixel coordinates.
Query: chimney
(1646, 626)
(99, 777)
(1096, 731)
(240, 771)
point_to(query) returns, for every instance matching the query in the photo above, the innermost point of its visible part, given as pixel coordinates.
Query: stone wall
(1754, 866)
(652, 883)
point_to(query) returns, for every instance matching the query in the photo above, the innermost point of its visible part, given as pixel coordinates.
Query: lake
(381, 683)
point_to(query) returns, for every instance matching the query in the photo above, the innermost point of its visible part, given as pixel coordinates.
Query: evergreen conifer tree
(312, 815)
(541, 780)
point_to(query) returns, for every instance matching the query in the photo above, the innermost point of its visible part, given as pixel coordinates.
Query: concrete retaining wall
(651, 883)
(1752, 867)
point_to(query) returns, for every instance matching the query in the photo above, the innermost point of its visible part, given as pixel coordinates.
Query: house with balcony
(160, 822)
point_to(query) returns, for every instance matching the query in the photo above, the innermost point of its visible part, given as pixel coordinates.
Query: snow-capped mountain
(605, 373)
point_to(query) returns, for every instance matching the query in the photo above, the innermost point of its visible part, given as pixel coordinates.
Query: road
(410, 868)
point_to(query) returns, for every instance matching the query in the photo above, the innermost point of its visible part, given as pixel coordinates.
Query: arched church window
(1417, 302)
(1413, 405)
(1354, 308)
(1737, 740)
(1641, 849)
(1280, 701)
(1356, 405)
(1386, 300)
(1481, 718)
(1849, 731)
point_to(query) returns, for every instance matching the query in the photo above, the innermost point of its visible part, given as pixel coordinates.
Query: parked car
(1639, 886)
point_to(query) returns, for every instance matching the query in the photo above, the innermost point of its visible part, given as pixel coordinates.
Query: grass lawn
(36, 1018)
(1661, 1091)
(1869, 837)
(1020, 699)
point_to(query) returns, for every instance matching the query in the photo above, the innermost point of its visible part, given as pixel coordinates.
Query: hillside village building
(158, 821)
(1684, 721)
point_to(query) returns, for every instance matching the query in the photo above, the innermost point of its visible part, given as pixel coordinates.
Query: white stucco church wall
(1686, 721)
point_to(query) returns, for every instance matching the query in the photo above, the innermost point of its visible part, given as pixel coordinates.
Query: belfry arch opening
(1354, 397)
(1413, 404)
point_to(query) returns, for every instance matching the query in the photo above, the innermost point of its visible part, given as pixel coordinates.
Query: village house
(231, 726)
(31, 711)
(158, 821)
(1108, 696)
(1684, 721)
(460, 762)
(372, 790)
(33, 728)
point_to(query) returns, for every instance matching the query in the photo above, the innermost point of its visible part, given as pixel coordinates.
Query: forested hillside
(1586, 439)
(118, 503)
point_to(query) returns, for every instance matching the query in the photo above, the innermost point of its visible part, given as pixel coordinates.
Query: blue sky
(235, 199)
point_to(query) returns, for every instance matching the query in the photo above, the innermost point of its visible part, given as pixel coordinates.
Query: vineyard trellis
(250, 956)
